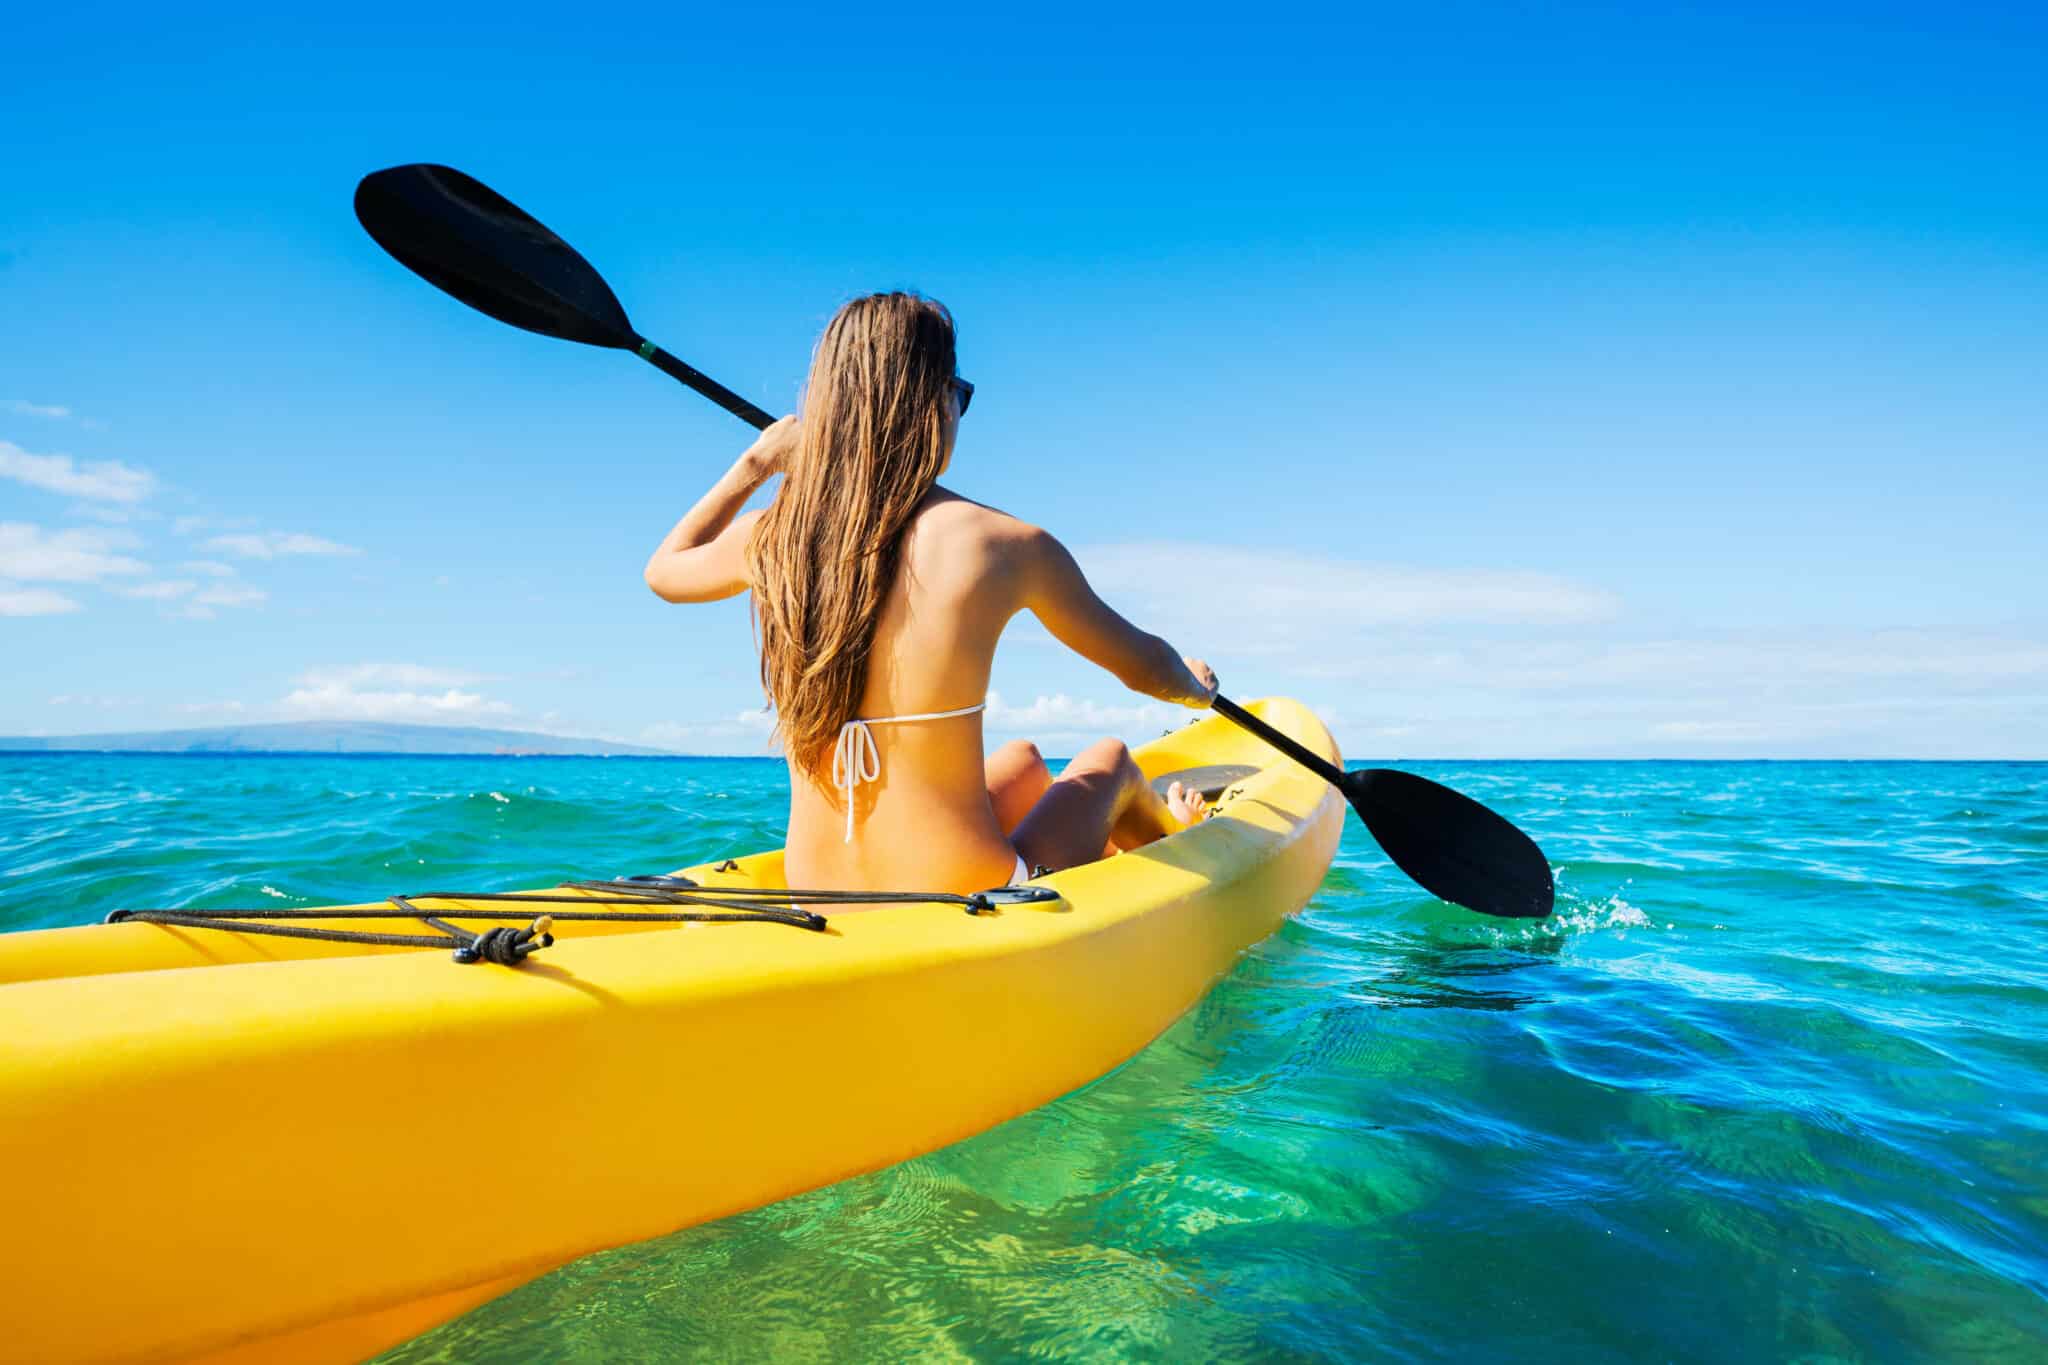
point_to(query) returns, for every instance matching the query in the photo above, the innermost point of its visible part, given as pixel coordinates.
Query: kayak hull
(288, 1151)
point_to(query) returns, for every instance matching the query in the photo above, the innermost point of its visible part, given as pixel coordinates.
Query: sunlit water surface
(1772, 1083)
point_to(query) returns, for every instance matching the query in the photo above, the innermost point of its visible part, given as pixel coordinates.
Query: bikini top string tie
(855, 759)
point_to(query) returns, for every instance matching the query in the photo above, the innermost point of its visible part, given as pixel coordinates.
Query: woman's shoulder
(956, 530)
(946, 516)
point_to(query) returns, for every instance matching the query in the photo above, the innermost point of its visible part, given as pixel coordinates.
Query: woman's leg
(1101, 799)
(1017, 777)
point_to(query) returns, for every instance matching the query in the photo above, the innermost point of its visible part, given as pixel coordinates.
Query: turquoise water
(1773, 1082)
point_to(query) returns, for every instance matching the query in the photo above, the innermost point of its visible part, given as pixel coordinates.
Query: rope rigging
(508, 946)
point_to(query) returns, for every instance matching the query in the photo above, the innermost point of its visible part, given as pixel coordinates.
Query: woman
(878, 600)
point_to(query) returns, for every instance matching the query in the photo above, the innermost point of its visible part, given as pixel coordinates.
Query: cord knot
(507, 946)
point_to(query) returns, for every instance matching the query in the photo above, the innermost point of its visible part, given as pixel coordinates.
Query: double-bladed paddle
(466, 239)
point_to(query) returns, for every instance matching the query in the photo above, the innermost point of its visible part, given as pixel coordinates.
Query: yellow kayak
(226, 1144)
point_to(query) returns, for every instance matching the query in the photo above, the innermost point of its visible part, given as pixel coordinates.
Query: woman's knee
(1108, 756)
(1016, 755)
(1018, 764)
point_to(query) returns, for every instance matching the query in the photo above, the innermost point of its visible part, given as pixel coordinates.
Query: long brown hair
(869, 447)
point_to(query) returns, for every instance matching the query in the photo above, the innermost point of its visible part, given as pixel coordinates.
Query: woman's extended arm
(1059, 594)
(705, 557)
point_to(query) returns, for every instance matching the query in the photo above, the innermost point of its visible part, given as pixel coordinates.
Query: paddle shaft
(1314, 762)
(702, 383)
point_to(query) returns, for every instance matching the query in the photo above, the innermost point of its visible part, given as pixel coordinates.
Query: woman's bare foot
(1186, 804)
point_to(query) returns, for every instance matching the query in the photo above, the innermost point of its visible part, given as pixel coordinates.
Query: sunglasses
(966, 392)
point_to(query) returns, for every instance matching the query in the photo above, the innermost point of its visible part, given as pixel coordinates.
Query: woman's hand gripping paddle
(463, 237)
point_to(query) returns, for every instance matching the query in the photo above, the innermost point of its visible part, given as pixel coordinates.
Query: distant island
(329, 737)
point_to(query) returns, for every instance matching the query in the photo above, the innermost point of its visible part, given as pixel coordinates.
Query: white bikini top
(856, 760)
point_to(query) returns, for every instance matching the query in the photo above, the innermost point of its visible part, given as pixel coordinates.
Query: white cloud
(1485, 664)
(276, 544)
(21, 407)
(95, 480)
(1785, 662)
(390, 691)
(1279, 596)
(160, 591)
(343, 703)
(1816, 693)
(196, 601)
(743, 733)
(212, 568)
(388, 674)
(231, 595)
(33, 602)
(72, 555)
(114, 514)
(1060, 714)
(94, 700)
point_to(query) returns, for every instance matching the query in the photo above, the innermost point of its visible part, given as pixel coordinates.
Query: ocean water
(1773, 1082)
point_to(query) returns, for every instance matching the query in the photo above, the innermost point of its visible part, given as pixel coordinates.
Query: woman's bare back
(926, 819)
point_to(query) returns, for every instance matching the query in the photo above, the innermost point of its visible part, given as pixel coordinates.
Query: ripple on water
(1772, 1083)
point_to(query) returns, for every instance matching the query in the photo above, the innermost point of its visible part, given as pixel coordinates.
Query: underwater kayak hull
(270, 1149)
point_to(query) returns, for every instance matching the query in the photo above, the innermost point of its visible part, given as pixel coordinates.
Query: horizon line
(663, 756)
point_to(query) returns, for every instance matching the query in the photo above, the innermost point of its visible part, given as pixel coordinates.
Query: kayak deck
(365, 1140)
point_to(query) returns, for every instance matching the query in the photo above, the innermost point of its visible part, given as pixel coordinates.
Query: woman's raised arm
(1060, 595)
(704, 558)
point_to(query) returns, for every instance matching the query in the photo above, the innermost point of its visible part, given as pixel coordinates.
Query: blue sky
(1584, 380)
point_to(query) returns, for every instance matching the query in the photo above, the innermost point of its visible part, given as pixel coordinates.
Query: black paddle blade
(461, 236)
(1453, 847)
